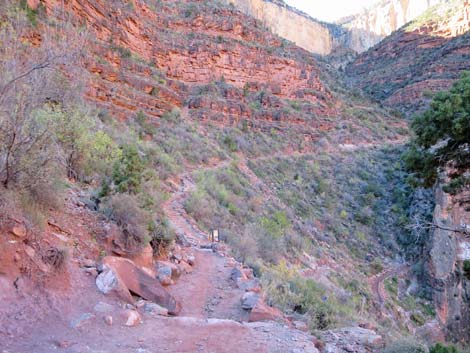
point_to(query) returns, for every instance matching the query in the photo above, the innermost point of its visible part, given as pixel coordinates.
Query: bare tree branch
(40, 66)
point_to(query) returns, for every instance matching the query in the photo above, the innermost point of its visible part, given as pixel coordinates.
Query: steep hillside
(372, 25)
(428, 54)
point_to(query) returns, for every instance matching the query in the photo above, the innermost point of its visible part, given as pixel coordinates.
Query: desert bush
(85, 149)
(201, 207)
(161, 235)
(294, 293)
(376, 266)
(144, 124)
(173, 116)
(134, 222)
(31, 83)
(56, 257)
(244, 245)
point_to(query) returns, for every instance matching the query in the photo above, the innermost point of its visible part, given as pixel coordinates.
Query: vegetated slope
(318, 228)
(427, 54)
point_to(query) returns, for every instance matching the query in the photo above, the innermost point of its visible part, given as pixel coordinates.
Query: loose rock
(132, 318)
(108, 282)
(249, 300)
(109, 320)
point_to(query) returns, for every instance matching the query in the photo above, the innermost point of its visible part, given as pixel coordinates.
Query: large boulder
(250, 285)
(108, 282)
(144, 259)
(139, 282)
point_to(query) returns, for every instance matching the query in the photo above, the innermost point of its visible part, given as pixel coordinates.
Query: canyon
(226, 124)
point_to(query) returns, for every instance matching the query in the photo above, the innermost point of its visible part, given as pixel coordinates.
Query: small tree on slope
(442, 139)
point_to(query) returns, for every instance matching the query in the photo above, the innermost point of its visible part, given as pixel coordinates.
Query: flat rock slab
(140, 283)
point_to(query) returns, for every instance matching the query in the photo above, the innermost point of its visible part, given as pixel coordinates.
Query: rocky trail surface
(377, 283)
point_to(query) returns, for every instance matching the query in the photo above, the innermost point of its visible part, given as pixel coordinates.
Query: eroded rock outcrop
(148, 57)
(448, 251)
(287, 22)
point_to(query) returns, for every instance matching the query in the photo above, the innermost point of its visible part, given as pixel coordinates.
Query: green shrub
(276, 225)
(31, 14)
(125, 211)
(376, 266)
(172, 116)
(124, 53)
(440, 348)
(418, 319)
(128, 170)
(87, 150)
(466, 268)
(230, 143)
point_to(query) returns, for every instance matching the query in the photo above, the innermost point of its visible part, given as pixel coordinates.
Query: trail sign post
(214, 236)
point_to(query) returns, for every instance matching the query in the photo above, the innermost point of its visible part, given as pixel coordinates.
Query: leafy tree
(443, 138)
(73, 132)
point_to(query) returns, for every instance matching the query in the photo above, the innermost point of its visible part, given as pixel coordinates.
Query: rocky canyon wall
(358, 32)
(371, 26)
(448, 250)
(288, 23)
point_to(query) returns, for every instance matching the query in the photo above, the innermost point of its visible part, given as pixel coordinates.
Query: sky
(330, 10)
